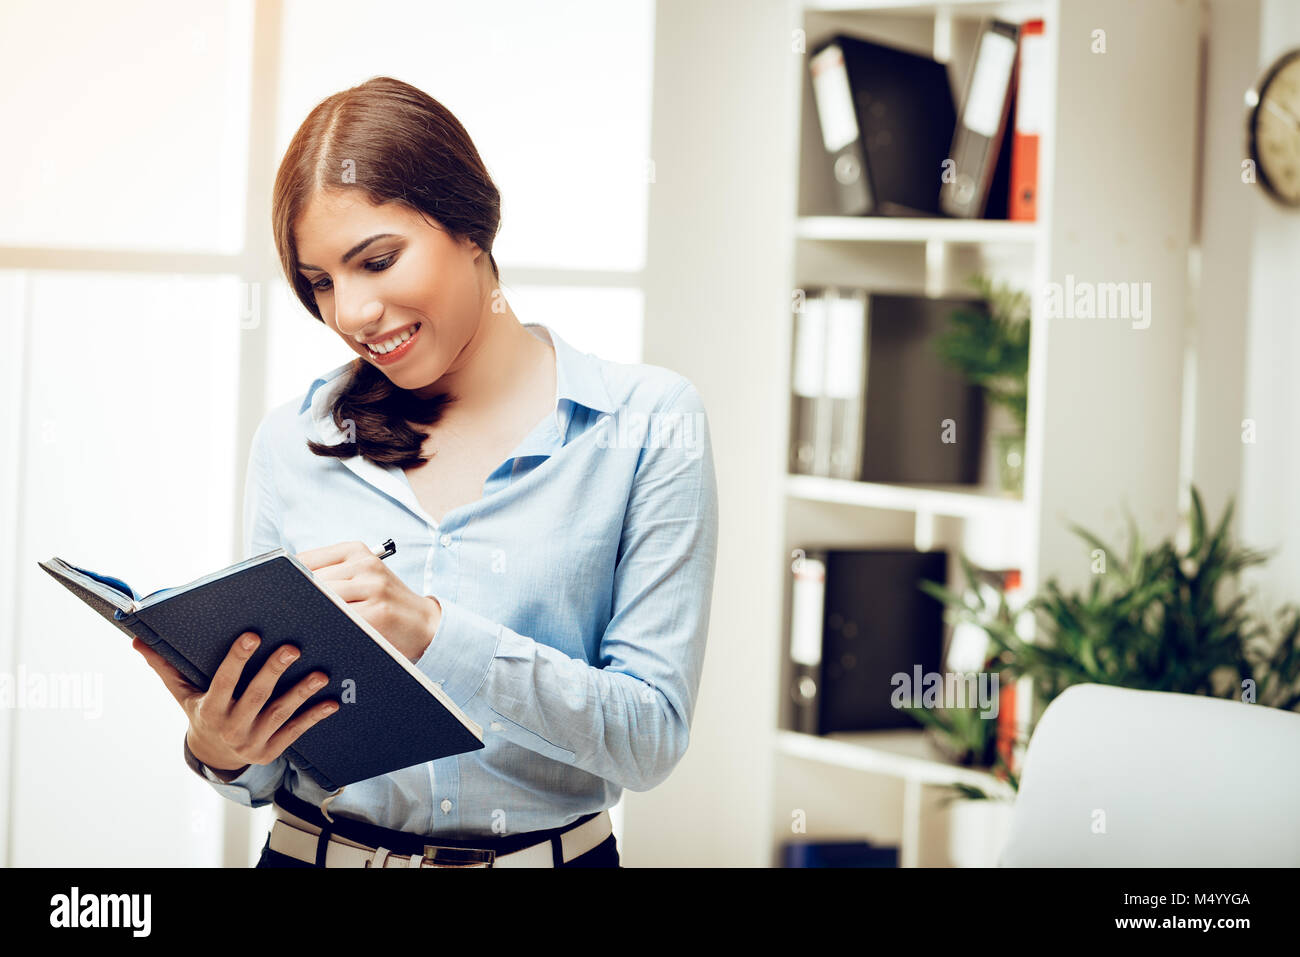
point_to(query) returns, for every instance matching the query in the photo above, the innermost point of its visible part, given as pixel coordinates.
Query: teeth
(389, 345)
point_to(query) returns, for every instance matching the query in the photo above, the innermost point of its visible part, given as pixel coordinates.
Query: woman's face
(402, 275)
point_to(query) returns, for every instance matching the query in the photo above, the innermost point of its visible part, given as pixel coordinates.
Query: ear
(472, 248)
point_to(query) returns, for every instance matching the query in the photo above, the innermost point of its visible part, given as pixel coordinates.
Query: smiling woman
(384, 217)
(553, 574)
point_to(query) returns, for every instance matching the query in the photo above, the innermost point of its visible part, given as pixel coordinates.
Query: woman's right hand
(230, 734)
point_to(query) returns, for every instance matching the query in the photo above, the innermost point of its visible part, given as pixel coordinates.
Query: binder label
(834, 102)
(988, 86)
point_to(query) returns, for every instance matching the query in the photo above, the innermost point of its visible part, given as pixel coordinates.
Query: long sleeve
(626, 719)
(254, 787)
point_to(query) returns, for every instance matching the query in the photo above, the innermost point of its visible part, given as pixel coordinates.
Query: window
(131, 250)
(570, 155)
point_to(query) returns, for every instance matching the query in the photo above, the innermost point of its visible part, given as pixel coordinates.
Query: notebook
(391, 716)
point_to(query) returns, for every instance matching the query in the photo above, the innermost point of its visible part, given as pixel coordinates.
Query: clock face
(1275, 130)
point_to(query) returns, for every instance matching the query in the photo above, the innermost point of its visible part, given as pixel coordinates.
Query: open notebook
(391, 716)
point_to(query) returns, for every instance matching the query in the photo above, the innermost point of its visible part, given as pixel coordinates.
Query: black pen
(384, 550)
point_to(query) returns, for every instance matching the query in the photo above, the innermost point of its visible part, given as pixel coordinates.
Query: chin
(416, 375)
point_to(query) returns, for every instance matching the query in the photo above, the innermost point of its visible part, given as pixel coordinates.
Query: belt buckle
(436, 855)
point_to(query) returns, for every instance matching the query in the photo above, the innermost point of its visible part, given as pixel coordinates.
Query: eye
(377, 265)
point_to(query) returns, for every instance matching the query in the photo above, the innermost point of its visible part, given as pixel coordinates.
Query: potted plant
(971, 736)
(1151, 619)
(992, 350)
(1154, 620)
(978, 822)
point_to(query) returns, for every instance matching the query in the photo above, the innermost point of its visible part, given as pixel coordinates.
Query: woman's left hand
(376, 594)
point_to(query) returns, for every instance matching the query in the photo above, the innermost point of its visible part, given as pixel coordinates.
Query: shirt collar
(578, 381)
(577, 376)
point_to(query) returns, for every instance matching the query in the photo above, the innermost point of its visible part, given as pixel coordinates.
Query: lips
(400, 351)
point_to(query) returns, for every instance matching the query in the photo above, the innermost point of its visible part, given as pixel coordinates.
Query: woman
(555, 517)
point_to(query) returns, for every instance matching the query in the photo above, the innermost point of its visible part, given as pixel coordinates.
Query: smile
(394, 347)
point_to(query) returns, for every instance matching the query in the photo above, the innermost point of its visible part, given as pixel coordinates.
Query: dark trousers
(604, 854)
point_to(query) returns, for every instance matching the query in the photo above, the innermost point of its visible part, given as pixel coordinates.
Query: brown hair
(408, 148)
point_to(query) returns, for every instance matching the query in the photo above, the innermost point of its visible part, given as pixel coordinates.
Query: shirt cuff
(252, 780)
(460, 653)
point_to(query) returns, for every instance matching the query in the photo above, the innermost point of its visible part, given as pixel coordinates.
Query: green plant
(965, 737)
(968, 739)
(992, 350)
(1153, 621)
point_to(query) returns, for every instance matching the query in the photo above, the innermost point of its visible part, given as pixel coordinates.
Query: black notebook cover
(398, 718)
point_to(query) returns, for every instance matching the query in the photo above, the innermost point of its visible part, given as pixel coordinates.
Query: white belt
(297, 838)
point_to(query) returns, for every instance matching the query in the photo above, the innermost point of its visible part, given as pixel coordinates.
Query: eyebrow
(353, 251)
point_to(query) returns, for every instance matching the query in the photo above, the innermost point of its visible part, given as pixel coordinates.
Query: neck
(496, 362)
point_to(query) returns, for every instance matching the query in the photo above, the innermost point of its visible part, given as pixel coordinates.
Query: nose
(357, 313)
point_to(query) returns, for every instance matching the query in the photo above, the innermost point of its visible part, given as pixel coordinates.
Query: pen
(384, 550)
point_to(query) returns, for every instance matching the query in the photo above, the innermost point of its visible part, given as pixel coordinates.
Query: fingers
(282, 708)
(355, 566)
(176, 683)
(241, 724)
(354, 589)
(294, 729)
(326, 555)
(232, 666)
(263, 684)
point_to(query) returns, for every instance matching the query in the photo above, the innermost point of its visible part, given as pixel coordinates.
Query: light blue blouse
(575, 595)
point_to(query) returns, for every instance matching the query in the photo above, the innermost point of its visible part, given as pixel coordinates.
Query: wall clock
(1273, 129)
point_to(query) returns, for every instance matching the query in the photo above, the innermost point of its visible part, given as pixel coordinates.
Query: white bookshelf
(1104, 400)
(883, 229)
(955, 501)
(904, 754)
(1012, 10)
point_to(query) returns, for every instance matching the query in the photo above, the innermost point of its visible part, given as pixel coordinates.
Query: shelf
(1014, 10)
(903, 754)
(897, 229)
(958, 500)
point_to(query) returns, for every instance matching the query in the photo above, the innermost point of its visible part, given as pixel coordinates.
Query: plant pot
(977, 831)
(1010, 448)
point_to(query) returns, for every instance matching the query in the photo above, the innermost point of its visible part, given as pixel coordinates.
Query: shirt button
(446, 805)
(495, 725)
(446, 539)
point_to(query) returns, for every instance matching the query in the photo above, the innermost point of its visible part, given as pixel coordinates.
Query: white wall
(716, 287)
(1121, 196)
(1249, 305)
(1270, 472)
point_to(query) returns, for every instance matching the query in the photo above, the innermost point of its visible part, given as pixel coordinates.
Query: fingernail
(249, 642)
(288, 655)
(315, 683)
(330, 708)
